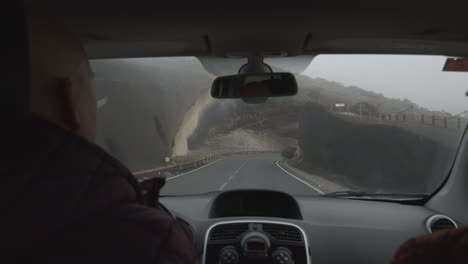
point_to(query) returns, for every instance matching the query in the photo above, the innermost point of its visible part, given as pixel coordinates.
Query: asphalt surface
(239, 172)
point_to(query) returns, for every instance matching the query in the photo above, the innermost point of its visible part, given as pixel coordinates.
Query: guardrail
(456, 122)
(177, 169)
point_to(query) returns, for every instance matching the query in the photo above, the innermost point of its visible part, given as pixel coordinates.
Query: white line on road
(185, 173)
(224, 185)
(232, 176)
(297, 178)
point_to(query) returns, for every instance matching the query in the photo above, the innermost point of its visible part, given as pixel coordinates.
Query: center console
(255, 241)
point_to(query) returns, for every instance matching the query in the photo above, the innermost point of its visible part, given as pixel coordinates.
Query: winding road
(239, 172)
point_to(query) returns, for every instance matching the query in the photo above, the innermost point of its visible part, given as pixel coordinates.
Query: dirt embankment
(190, 123)
(232, 126)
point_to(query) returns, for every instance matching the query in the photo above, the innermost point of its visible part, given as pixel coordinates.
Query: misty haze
(417, 78)
(359, 122)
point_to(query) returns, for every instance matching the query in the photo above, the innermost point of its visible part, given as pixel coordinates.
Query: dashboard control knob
(229, 255)
(282, 256)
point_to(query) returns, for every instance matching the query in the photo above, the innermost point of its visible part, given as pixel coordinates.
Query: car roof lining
(145, 29)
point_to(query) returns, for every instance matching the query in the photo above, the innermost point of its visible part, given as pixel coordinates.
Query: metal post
(360, 110)
(404, 117)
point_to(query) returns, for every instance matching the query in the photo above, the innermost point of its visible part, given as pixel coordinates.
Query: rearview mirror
(259, 85)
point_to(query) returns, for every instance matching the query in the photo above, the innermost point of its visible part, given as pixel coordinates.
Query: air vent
(283, 233)
(440, 222)
(228, 231)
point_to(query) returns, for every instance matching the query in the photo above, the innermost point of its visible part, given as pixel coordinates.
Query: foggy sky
(417, 78)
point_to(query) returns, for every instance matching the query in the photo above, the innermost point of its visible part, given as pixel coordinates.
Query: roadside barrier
(177, 169)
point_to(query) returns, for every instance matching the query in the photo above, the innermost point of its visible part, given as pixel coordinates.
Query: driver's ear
(67, 104)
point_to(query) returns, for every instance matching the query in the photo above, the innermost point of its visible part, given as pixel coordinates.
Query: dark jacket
(64, 200)
(448, 246)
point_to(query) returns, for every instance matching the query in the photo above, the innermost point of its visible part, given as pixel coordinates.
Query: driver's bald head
(60, 77)
(55, 53)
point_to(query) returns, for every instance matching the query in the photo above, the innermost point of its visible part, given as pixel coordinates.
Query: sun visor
(387, 46)
(219, 66)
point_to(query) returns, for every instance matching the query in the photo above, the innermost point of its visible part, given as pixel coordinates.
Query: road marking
(232, 176)
(188, 172)
(224, 185)
(299, 179)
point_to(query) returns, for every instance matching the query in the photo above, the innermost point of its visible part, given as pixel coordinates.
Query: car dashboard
(259, 226)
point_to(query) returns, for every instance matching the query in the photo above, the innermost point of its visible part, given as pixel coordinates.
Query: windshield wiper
(376, 196)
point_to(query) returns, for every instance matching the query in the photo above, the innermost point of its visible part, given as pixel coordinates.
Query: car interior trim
(433, 218)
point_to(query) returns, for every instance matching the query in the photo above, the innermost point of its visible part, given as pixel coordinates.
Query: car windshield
(358, 124)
